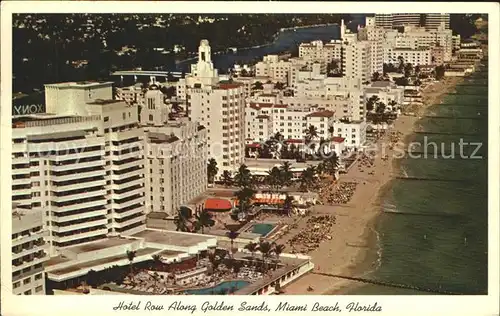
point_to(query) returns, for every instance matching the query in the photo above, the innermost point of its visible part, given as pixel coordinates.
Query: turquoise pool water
(221, 288)
(262, 228)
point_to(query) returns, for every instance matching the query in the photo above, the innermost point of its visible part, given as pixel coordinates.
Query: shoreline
(357, 220)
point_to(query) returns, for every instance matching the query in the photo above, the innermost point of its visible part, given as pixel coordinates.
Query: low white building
(353, 133)
(418, 56)
(386, 92)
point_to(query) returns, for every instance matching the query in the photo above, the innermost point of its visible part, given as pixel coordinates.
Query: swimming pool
(262, 228)
(221, 288)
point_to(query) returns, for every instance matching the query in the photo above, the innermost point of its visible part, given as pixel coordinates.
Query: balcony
(19, 264)
(76, 236)
(76, 186)
(80, 175)
(136, 210)
(80, 155)
(130, 221)
(139, 181)
(24, 252)
(62, 229)
(140, 199)
(78, 164)
(102, 212)
(138, 172)
(77, 196)
(79, 206)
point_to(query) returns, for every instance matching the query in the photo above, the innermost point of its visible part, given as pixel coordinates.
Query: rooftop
(99, 245)
(171, 237)
(160, 138)
(80, 84)
(218, 204)
(321, 114)
(105, 102)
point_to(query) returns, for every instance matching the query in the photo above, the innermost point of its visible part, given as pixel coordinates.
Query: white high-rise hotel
(81, 165)
(217, 105)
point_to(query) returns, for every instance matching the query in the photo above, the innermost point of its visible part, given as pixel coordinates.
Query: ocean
(443, 245)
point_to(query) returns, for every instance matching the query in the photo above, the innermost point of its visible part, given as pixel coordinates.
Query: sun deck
(172, 238)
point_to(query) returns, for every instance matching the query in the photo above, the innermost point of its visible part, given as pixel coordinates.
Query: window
(27, 281)
(106, 118)
(124, 115)
(39, 289)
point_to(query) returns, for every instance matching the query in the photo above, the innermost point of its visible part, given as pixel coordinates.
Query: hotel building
(219, 107)
(28, 252)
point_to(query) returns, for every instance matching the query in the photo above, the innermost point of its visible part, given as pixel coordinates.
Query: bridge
(152, 74)
(389, 284)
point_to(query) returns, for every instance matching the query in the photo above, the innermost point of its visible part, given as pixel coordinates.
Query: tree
(279, 86)
(204, 219)
(244, 196)
(286, 174)
(212, 170)
(184, 215)
(308, 177)
(227, 178)
(265, 249)
(331, 164)
(401, 81)
(157, 261)
(333, 68)
(130, 256)
(380, 108)
(232, 235)
(439, 72)
(401, 64)
(408, 68)
(393, 104)
(243, 177)
(375, 76)
(370, 103)
(252, 247)
(258, 86)
(288, 204)
(311, 133)
(273, 178)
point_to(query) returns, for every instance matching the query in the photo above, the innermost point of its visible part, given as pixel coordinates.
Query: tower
(204, 52)
(342, 29)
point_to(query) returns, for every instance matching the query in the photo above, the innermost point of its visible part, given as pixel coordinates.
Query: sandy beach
(352, 249)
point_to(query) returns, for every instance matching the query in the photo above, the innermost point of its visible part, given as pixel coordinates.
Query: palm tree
(252, 247)
(279, 86)
(273, 178)
(370, 103)
(227, 178)
(278, 250)
(401, 64)
(331, 164)
(288, 204)
(393, 104)
(182, 218)
(232, 235)
(212, 170)
(156, 277)
(311, 132)
(244, 196)
(204, 219)
(307, 178)
(408, 68)
(375, 76)
(130, 256)
(265, 249)
(157, 261)
(380, 108)
(243, 177)
(286, 174)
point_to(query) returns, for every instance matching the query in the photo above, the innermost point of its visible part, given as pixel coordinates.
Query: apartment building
(386, 92)
(357, 60)
(415, 38)
(322, 122)
(124, 165)
(393, 20)
(154, 111)
(273, 67)
(175, 158)
(221, 109)
(435, 20)
(29, 252)
(317, 51)
(353, 133)
(58, 168)
(131, 94)
(419, 56)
